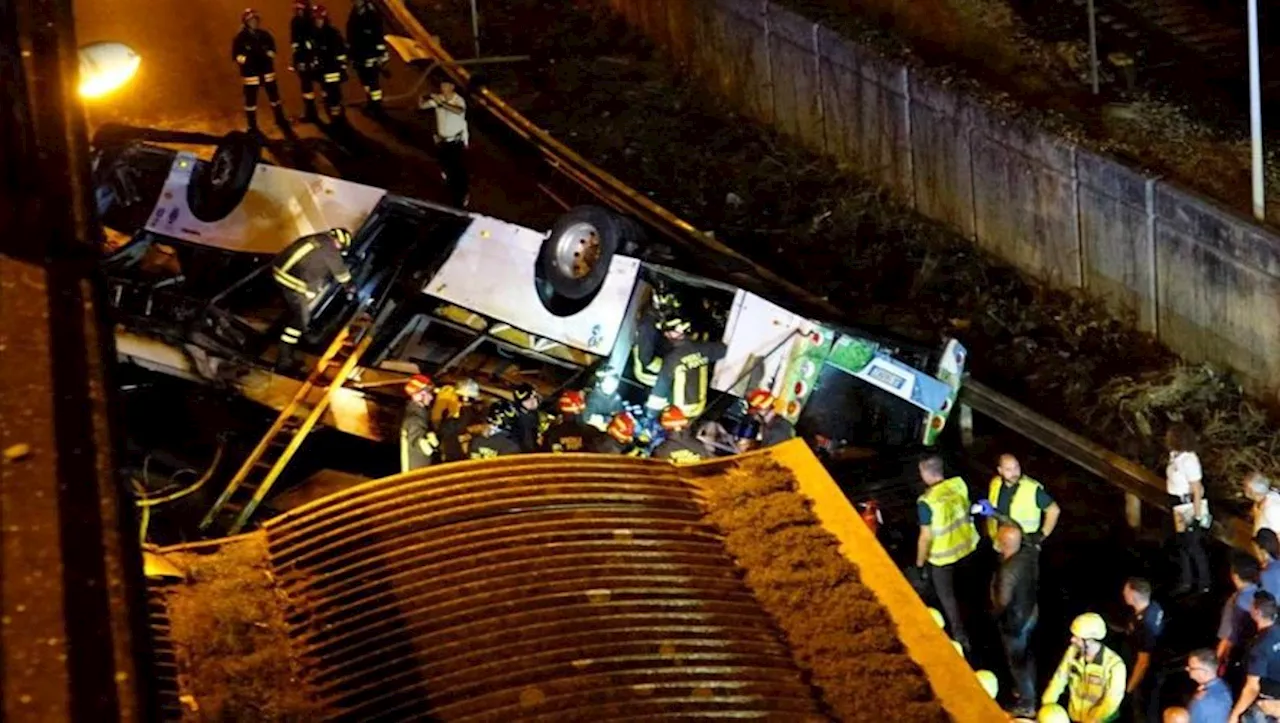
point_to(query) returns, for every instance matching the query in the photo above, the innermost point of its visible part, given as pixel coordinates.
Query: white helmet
(467, 388)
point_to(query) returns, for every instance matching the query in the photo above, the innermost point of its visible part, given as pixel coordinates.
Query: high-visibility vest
(954, 535)
(1022, 508)
(689, 384)
(1094, 688)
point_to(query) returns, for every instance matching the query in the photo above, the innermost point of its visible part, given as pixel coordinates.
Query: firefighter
(301, 33)
(528, 418)
(619, 437)
(368, 52)
(569, 433)
(452, 415)
(650, 345)
(330, 61)
(947, 538)
(303, 270)
(685, 377)
(763, 426)
(418, 444)
(497, 440)
(254, 50)
(680, 446)
(1091, 674)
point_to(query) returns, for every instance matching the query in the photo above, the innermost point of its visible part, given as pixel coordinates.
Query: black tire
(574, 259)
(217, 187)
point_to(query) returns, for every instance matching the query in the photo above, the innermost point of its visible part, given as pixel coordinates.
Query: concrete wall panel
(941, 158)
(1115, 238)
(796, 98)
(743, 56)
(683, 20)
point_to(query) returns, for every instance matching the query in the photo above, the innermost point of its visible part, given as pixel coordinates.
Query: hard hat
(959, 648)
(417, 383)
(342, 236)
(320, 12)
(247, 15)
(989, 682)
(759, 399)
(502, 414)
(1089, 626)
(622, 427)
(523, 392)
(677, 324)
(301, 6)
(666, 300)
(1053, 713)
(672, 418)
(572, 402)
(937, 617)
(467, 388)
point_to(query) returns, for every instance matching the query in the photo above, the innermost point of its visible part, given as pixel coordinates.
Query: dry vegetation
(851, 651)
(234, 656)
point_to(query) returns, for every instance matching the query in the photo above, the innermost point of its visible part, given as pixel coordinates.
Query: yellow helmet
(959, 648)
(342, 236)
(937, 617)
(1089, 626)
(1053, 713)
(989, 682)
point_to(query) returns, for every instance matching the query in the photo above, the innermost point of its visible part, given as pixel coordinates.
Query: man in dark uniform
(680, 446)
(497, 440)
(418, 444)
(763, 426)
(569, 433)
(1013, 607)
(368, 52)
(527, 417)
(1260, 698)
(303, 270)
(651, 345)
(331, 62)
(619, 437)
(685, 377)
(301, 30)
(254, 50)
(1142, 639)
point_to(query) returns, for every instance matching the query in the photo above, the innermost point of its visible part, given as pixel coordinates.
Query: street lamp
(105, 67)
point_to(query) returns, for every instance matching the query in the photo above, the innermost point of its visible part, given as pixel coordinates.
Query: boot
(252, 117)
(277, 110)
(374, 109)
(309, 114)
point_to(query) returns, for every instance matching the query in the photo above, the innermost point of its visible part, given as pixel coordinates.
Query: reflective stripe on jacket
(305, 266)
(1022, 508)
(954, 535)
(1094, 688)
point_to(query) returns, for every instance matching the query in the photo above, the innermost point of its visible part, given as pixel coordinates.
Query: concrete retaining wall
(1204, 279)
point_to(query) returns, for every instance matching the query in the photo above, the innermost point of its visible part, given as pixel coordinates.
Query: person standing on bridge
(254, 51)
(1259, 701)
(1019, 498)
(946, 542)
(301, 39)
(1266, 502)
(368, 52)
(452, 137)
(1142, 640)
(1185, 486)
(1091, 674)
(418, 444)
(303, 270)
(330, 62)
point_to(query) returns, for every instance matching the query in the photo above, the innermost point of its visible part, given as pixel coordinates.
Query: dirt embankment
(599, 87)
(851, 650)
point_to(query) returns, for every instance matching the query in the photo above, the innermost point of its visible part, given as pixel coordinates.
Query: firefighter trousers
(371, 78)
(331, 83)
(308, 85)
(251, 85)
(296, 323)
(453, 164)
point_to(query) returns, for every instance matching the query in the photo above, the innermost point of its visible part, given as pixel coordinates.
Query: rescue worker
(569, 433)
(1212, 701)
(330, 62)
(947, 539)
(301, 33)
(254, 50)
(1091, 674)
(418, 444)
(1260, 699)
(452, 416)
(528, 417)
(763, 426)
(1022, 499)
(368, 52)
(497, 440)
(452, 139)
(1235, 623)
(1013, 607)
(303, 270)
(619, 437)
(1142, 640)
(650, 345)
(685, 376)
(680, 446)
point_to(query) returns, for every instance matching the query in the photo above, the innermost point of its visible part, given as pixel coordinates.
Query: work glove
(982, 507)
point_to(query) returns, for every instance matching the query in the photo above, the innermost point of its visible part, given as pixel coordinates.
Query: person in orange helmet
(619, 437)
(418, 443)
(568, 433)
(680, 446)
(763, 426)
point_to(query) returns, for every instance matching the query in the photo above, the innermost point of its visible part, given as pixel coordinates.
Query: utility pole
(1255, 117)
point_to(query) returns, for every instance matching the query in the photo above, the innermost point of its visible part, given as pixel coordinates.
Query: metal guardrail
(1093, 457)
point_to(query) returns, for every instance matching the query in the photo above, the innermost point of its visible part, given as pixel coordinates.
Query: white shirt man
(451, 114)
(1266, 503)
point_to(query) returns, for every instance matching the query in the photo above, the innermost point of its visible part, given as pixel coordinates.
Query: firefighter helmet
(673, 418)
(676, 325)
(247, 15)
(622, 428)
(320, 12)
(989, 683)
(1089, 626)
(342, 236)
(301, 6)
(759, 400)
(502, 414)
(467, 388)
(1053, 713)
(416, 384)
(572, 402)
(524, 392)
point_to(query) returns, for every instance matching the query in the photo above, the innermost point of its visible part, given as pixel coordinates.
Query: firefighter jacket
(448, 405)
(490, 446)
(954, 535)
(685, 378)
(604, 444)
(331, 54)
(1094, 687)
(301, 32)
(306, 265)
(1022, 510)
(680, 448)
(254, 51)
(646, 353)
(525, 429)
(364, 33)
(418, 443)
(570, 435)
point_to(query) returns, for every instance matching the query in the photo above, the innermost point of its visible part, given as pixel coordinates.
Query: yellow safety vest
(1094, 688)
(1022, 508)
(954, 535)
(645, 374)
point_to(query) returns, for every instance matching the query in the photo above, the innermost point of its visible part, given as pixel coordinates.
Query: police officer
(301, 32)
(254, 50)
(947, 539)
(453, 137)
(418, 444)
(330, 61)
(619, 437)
(569, 433)
(302, 271)
(528, 418)
(1142, 639)
(680, 446)
(497, 440)
(1092, 675)
(763, 426)
(1020, 498)
(686, 370)
(368, 52)
(1260, 698)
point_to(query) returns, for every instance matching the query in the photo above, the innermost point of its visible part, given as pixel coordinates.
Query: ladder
(281, 442)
